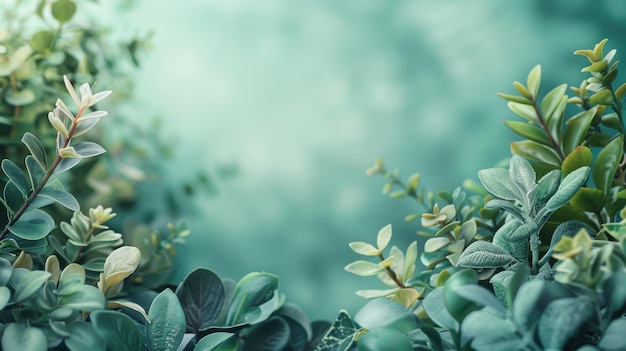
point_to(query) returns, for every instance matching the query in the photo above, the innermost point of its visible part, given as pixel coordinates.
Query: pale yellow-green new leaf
(115, 304)
(364, 268)
(384, 237)
(363, 248)
(534, 80)
(121, 263)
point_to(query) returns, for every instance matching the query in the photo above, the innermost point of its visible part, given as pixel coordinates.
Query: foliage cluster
(533, 257)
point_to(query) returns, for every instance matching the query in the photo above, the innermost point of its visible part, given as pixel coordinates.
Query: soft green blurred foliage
(303, 96)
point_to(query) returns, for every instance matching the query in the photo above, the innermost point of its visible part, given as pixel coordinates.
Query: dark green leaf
(210, 341)
(271, 335)
(606, 164)
(483, 254)
(22, 337)
(252, 291)
(119, 330)
(83, 336)
(13, 196)
(84, 126)
(291, 312)
(589, 199)
(16, 175)
(201, 295)
(42, 40)
(37, 150)
(167, 326)
(561, 319)
(340, 336)
(613, 338)
(32, 227)
(614, 291)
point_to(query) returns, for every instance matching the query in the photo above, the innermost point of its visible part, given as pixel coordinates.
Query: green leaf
(603, 97)
(497, 182)
(83, 336)
(272, 335)
(167, 326)
(363, 248)
(409, 260)
(480, 296)
(36, 149)
(384, 237)
(13, 197)
(384, 313)
(531, 150)
(87, 299)
(88, 149)
(606, 163)
(20, 98)
(66, 164)
(5, 296)
(581, 156)
(532, 299)
(340, 336)
(29, 284)
(63, 10)
(568, 187)
(119, 330)
(211, 341)
(252, 291)
(562, 318)
(489, 330)
(529, 131)
(525, 111)
(588, 199)
(613, 337)
(534, 80)
(22, 337)
(42, 40)
(384, 339)
(62, 197)
(522, 174)
(576, 129)
(553, 109)
(483, 254)
(546, 187)
(71, 280)
(364, 268)
(17, 176)
(299, 325)
(614, 291)
(35, 172)
(436, 310)
(33, 225)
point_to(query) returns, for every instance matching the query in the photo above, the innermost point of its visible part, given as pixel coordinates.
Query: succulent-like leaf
(66, 164)
(202, 296)
(167, 322)
(117, 329)
(22, 337)
(37, 150)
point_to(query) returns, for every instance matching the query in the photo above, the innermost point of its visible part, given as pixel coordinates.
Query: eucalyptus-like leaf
(483, 254)
(16, 175)
(61, 197)
(83, 336)
(568, 187)
(35, 172)
(63, 10)
(23, 337)
(202, 295)
(167, 326)
(66, 164)
(117, 329)
(606, 163)
(37, 150)
(88, 149)
(13, 198)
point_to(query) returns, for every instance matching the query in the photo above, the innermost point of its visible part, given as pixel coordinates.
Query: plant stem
(44, 180)
(392, 274)
(542, 122)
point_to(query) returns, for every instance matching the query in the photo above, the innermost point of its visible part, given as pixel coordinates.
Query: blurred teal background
(303, 96)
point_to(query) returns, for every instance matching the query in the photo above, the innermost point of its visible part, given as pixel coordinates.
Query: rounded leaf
(201, 295)
(384, 237)
(22, 337)
(272, 335)
(384, 313)
(119, 330)
(384, 339)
